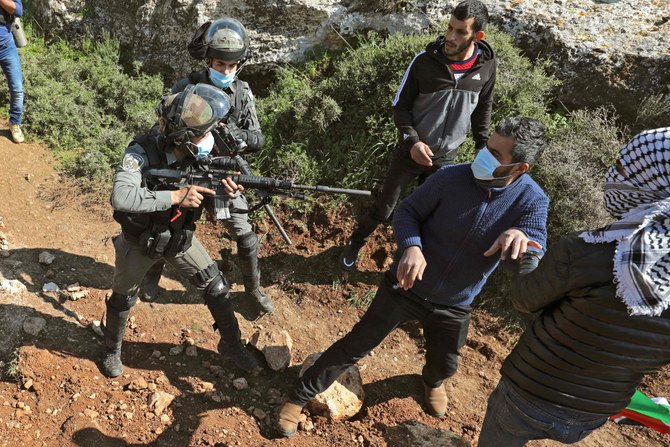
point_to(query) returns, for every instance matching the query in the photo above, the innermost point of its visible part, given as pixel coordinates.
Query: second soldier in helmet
(224, 47)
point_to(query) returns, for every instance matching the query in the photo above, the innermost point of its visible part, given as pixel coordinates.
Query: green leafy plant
(82, 104)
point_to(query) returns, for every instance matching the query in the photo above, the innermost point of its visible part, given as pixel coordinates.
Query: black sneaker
(349, 255)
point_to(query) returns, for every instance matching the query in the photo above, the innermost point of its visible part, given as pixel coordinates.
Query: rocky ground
(175, 390)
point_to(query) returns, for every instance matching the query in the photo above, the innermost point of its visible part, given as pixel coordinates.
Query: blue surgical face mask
(221, 81)
(483, 167)
(205, 145)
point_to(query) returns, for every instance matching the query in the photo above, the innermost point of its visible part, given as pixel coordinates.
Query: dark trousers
(402, 171)
(445, 329)
(514, 417)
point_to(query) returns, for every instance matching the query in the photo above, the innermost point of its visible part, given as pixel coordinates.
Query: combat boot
(288, 418)
(230, 346)
(436, 400)
(115, 326)
(239, 355)
(247, 251)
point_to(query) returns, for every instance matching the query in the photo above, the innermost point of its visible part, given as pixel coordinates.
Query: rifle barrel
(328, 189)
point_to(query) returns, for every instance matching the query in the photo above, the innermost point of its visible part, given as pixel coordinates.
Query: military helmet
(187, 116)
(226, 39)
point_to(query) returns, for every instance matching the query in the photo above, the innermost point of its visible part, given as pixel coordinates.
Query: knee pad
(217, 289)
(247, 241)
(121, 303)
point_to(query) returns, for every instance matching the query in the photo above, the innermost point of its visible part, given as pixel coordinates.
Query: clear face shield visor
(203, 107)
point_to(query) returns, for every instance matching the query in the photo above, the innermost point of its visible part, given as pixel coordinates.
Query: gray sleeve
(128, 194)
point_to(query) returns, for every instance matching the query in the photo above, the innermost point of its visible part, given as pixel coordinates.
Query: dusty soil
(56, 395)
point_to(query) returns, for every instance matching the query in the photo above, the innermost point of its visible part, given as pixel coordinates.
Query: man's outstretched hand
(514, 241)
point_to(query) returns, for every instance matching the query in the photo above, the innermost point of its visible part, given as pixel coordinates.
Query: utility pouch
(154, 245)
(18, 33)
(175, 245)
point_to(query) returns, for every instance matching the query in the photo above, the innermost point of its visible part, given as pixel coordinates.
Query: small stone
(5, 253)
(74, 287)
(240, 383)
(74, 296)
(128, 415)
(165, 419)
(156, 354)
(91, 413)
(191, 351)
(176, 350)
(138, 384)
(34, 325)
(259, 414)
(188, 341)
(28, 384)
(159, 401)
(50, 287)
(12, 286)
(46, 258)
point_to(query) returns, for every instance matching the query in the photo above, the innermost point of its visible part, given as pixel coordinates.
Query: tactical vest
(161, 233)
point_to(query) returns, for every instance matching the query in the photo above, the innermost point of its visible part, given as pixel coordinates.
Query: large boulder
(343, 399)
(606, 53)
(416, 434)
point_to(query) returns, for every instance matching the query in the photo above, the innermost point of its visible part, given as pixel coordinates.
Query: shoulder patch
(132, 162)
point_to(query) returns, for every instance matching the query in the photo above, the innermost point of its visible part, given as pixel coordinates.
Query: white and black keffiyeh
(641, 201)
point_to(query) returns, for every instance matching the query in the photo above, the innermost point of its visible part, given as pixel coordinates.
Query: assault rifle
(210, 171)
(233, 147)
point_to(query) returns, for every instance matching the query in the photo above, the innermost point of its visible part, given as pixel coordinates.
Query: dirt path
(68, 402)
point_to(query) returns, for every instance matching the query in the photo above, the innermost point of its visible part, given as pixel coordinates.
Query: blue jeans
(514, 417)
(11, 66)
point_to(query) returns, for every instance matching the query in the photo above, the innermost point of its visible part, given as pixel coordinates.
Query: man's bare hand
(191, 196)
(421, 153)
(411, 267)
(513, 240)
(231, 187)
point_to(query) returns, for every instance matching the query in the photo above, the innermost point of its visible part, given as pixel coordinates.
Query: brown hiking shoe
(289, 417)
(17, 133)
(436, 400)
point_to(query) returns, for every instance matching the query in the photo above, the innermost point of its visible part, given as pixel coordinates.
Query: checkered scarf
(641, 201)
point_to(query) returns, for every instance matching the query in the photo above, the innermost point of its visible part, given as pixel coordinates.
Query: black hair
(472, 9)
(529, 137)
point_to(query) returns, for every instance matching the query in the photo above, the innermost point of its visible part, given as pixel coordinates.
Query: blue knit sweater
(454, 221)
(5, 31)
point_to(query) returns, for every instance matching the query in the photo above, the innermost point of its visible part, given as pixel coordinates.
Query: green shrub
(338, 106)
(572, 168)
(82, 104)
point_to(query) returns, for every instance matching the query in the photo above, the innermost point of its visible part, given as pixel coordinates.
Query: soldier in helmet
(157, 224)
(224, 46)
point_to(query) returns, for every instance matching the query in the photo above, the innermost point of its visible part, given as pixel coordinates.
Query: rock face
(342, 399)
(606, 53)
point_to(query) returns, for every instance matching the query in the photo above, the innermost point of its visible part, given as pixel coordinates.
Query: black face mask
(497, 182)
